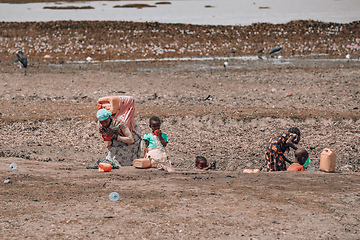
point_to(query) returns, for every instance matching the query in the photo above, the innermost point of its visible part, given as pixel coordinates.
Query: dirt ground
(48, 127)
(58, 200)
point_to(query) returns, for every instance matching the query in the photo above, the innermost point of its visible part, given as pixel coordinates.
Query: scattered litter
(13, 166)
(208, 98)
(114, 196)
(358, 135)
(116, 92)
(251, 170)
(7, 181)
(289, 95)
(310, 169)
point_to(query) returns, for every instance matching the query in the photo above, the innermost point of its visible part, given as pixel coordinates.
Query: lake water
(221, 12)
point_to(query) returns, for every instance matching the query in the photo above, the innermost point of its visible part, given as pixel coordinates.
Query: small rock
(346, 168)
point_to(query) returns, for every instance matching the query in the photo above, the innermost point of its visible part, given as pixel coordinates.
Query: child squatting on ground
(301, 155)
(154, 147)
(201, 163)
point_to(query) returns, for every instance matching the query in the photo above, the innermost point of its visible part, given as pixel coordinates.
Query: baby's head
(200, 162)
(301, 155)
(155, 123)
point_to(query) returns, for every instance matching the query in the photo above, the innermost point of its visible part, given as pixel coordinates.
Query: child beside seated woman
(154, 147)
(301, 155)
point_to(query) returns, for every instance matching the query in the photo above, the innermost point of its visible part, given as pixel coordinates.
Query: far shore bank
(110, 40)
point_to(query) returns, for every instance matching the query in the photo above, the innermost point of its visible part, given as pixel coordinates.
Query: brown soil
(48, 127)
(58, 200)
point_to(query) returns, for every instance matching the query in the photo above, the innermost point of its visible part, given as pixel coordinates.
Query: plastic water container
(327, 160)
(13, 166)
(142, 163)
(104, 167)
(114, 196)
(110, 103)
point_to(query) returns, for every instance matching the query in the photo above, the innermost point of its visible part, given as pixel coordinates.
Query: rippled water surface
(213, 12)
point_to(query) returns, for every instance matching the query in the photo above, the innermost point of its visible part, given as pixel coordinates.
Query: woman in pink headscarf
(121, 132)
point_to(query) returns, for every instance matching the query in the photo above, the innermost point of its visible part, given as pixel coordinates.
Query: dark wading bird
(22, 59)
(276, 49)
(260, 53)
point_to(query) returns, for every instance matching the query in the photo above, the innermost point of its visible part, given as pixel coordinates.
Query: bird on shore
(348, 57)
(22, 59)
(225, 64)
(275, 50)
(260, 53)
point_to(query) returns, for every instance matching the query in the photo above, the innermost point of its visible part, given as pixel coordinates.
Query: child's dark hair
(155, 119)
(301, 155)
(294, 130)
(198, 159)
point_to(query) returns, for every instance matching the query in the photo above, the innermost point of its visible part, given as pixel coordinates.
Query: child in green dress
(155, 143)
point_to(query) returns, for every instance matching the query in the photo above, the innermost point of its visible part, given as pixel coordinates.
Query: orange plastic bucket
(104, 167)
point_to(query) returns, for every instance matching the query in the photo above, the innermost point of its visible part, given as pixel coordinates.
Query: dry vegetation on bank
(109, 40)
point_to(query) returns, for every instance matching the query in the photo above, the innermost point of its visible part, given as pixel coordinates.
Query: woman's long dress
(122, 154)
